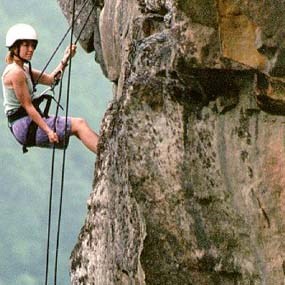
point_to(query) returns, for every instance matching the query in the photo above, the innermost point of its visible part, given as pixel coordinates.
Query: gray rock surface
(189, 184)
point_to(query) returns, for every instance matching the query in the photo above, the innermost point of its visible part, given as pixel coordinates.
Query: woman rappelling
(19, 97)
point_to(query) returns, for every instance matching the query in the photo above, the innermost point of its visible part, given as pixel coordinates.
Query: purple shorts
(20, 129)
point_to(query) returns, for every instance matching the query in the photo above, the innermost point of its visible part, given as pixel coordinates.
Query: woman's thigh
(20, 129)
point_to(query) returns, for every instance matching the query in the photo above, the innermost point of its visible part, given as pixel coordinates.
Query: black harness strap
(31, 136)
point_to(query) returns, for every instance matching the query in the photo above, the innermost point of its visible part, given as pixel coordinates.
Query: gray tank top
(10, 99)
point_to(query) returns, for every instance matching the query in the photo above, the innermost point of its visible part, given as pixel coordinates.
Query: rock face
(189, 184)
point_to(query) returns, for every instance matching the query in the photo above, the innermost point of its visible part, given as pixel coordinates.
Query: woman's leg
(81, 129)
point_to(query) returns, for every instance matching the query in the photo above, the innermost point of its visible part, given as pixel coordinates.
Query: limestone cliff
(189, 184)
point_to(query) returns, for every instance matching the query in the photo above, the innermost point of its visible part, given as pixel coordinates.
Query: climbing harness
(33, 127)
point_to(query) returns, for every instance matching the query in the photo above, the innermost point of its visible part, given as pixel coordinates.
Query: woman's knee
(77, 124)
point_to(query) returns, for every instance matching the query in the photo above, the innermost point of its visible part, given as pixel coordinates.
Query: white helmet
(20, 32)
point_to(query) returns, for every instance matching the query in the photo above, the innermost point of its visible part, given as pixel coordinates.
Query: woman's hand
(69, 52)
(53, 137)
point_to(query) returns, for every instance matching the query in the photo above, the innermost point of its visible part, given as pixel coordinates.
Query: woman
(17, 82)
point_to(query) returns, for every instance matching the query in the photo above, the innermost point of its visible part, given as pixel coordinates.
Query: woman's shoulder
(14, 69)
(13, 73)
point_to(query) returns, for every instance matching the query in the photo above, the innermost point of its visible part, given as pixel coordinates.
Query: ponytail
(9, 57)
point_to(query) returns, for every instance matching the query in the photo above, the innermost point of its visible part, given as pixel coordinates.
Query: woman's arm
(18, 80)
(48, 78)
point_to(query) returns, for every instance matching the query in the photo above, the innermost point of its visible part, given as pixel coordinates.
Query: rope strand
(49, 219)
(64, 151)
(82, 29)
(60, 43)
(51, 188)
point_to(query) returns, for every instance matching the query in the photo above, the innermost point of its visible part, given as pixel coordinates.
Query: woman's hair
(9, 57)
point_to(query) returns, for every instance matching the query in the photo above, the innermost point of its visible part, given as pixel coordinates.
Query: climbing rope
(64, 151)
(61, 41)
(51, 192)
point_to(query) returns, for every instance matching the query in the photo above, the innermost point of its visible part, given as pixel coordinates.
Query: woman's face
(27, 48)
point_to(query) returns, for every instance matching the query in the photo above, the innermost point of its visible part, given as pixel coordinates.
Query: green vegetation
(25, 178)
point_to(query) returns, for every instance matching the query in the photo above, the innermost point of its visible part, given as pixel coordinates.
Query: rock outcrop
(189, 184)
